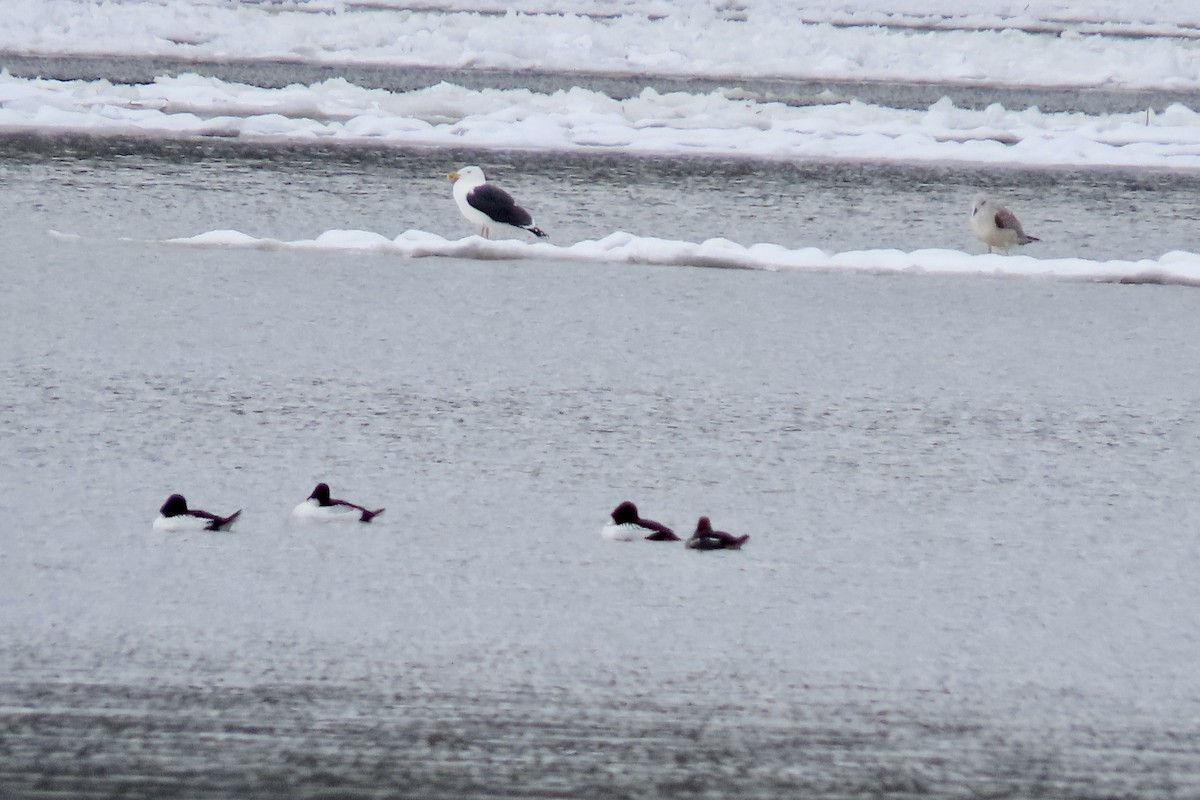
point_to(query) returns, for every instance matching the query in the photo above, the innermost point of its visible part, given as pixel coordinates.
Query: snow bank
(719, 123)
(1050, 43)
(1171, 268)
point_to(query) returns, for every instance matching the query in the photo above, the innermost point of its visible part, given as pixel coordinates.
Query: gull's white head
(978, 203)
(471, 176)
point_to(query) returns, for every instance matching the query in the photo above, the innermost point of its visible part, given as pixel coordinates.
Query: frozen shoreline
(1115, 49)
(1022, 44)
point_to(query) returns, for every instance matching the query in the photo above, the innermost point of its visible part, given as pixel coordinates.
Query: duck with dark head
(705, 538)
(627, 526)
(176, 516)
(320, 507)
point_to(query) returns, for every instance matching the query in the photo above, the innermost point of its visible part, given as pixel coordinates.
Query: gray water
(971, 501)
(156, 189)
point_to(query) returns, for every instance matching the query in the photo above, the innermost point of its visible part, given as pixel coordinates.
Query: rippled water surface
(971, 501)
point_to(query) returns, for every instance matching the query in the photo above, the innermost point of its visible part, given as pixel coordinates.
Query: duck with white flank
(488, 208)
(176, 516)
(705, 538)
(996, 226)
(320, 507)
(627, 526)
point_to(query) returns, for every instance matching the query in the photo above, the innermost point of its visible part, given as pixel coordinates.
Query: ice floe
(1172, 268)
(719, 123)
(1048, 43)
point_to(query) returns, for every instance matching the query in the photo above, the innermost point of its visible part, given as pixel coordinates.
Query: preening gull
(996, 226)
(488, 207)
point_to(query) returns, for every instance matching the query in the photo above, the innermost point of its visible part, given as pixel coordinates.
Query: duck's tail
(224, 523)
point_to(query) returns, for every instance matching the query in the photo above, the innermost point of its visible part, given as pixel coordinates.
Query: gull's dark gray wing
(1007, 219)
(499, 205)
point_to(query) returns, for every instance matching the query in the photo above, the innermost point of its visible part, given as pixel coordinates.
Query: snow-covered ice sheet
(1171, 268)
(1051, 43)
(719, 123)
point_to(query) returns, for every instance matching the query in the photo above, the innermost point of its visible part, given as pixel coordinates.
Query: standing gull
(996, 226)
(488, 207)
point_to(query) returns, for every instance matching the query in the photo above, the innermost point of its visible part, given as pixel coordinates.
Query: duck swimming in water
(705, 538)
(176, 516)
(628, 526)
(320, 507)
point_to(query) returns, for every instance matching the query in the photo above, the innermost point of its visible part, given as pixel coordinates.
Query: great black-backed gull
(490, 209)
(996, 226)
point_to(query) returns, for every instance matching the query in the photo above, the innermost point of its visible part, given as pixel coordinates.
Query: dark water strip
(289, 741)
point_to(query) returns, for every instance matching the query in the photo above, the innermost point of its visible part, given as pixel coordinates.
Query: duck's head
(174, 506)
(624, 513)
(320, 494)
